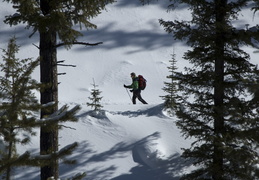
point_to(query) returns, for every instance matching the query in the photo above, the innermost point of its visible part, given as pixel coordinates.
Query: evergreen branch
(62, 152)
(41, 160)
(79, 176)
(19, 161)
(61, 115)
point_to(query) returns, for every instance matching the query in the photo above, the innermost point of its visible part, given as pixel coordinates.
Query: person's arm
(129, 86)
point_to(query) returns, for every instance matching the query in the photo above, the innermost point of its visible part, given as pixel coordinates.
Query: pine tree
(171, 88)
(95, 98)
(218, 109)
(52, 19)
(18, 103)
(19, 109)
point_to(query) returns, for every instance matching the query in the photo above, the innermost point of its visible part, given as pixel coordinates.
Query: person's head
(132, 74)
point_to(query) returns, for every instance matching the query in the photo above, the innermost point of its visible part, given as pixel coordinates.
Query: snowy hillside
(125, 141)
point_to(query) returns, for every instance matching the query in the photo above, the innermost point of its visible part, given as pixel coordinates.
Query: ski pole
(128, 93)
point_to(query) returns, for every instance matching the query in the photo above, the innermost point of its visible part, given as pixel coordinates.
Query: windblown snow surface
(123, 141)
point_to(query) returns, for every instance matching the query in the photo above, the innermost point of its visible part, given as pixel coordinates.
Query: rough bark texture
(48, 73)
(49, 93)
(219, 89)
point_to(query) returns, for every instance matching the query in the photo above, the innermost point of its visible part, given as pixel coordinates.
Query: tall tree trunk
(48, 76)
(10, 154)
(49, 93)
(219, 89)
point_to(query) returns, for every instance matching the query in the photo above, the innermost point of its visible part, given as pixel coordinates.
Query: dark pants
(136, 94)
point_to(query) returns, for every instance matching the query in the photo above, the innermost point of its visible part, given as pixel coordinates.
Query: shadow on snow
(153, 111)
(167, 169)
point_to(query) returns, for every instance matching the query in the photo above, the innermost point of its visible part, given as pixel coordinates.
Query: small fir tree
(19, 109)
(95, 98)
(171, 88)
(18, 105)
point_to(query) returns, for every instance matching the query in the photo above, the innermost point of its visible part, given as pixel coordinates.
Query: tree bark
(49, 93)
(219, 89)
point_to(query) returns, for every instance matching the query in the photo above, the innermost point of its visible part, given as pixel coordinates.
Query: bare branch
(61, 61)
(58, 64)
(35, 45)
(79, 43)
(67, 127)
(67, 65)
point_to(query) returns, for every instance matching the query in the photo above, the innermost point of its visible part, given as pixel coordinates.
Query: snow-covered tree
(53, 20)
(95, 98)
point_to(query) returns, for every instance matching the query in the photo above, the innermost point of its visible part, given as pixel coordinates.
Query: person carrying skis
(135, 89)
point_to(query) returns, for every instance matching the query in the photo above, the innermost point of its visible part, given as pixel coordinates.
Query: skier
(135, 89)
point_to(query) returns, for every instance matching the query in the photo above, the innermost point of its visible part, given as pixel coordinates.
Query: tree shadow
(25, 173)
(169, 169)
(141, 40)
(153, 111)
(165, 169)
(21, 34)
(91, 162)
(160, 3)
(86, 157)
(136, 3)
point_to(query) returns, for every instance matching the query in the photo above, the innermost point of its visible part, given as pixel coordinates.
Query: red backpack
(141, 82)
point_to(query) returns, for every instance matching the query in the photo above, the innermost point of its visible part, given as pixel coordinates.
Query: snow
(123, 141)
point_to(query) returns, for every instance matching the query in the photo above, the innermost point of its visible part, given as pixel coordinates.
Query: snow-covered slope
(125, 141)
(122, 142)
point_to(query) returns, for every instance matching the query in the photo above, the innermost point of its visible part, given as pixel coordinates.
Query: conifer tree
(219, 111)
(18, 103)
(95, 98)
(19, 109)
(171, 88)
(54, 19)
